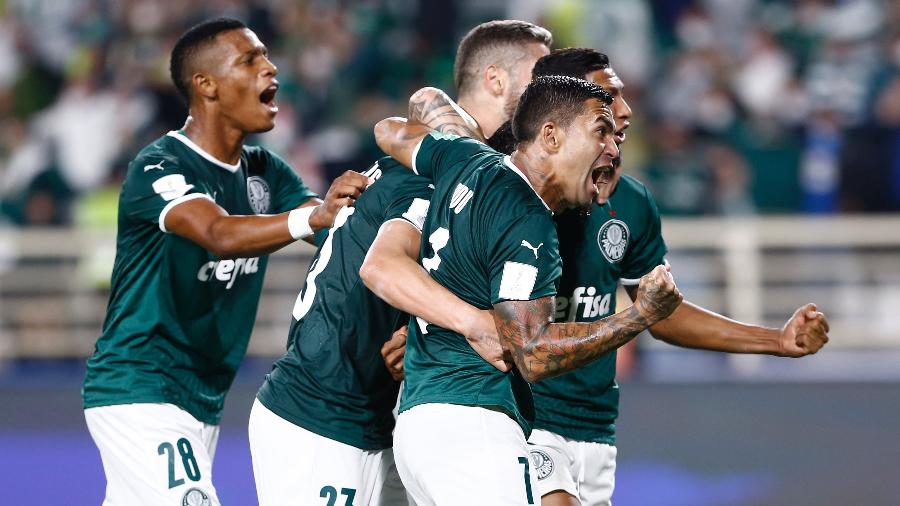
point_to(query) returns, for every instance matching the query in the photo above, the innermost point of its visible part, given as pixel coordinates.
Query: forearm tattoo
(541, 349)
(435, 110)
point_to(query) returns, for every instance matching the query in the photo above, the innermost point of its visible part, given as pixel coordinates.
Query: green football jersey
(179, 318)
(488, 238)
(333, 380)
(619, 242)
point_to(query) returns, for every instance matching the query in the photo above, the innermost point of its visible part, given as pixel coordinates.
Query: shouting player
(198, 213)
(461, 433)
(573, 442)
(321, 427)
(492, 68)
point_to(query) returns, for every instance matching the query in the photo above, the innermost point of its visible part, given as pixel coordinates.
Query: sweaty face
(520, 75)
(609, 81)
(588, 150)
(245, 81)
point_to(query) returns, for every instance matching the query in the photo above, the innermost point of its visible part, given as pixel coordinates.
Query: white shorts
(292, 465)
(154, 454)
(451, 455)
(583, 469)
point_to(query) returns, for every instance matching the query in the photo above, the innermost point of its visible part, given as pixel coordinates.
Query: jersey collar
(508, 161)
(197, 149)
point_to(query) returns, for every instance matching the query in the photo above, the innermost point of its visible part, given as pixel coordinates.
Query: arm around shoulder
(399, 138)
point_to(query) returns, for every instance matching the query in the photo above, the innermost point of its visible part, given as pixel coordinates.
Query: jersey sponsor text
(228, 270)
(585, 299)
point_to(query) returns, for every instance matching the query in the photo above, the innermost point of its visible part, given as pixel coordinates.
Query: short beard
(509, 107)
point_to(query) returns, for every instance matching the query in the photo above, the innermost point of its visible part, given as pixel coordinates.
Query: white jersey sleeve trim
(404, 220)
(415, 153)
(635, 282)
(179, 200)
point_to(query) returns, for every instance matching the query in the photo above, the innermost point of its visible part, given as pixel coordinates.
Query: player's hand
(343, 192)
(804, 333)
(393, 352)
(657, 295)
(484, 339)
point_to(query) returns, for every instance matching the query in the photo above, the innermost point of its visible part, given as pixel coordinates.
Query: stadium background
(769, 132)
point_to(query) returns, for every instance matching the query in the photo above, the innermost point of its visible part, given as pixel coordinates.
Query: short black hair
(486, 40)
(553, 98)
(187, 45)
(503, 139)
(571, 61)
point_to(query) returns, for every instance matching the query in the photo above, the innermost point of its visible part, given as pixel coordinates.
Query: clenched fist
(805, 333)
(393, 351)
(343, 192)
(657, 295)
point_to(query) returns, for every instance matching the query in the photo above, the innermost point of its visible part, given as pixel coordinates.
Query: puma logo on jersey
(532, 248)
(228, 270)
(594, 305)
(157, 166)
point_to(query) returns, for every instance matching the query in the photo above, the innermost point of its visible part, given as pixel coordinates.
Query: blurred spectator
(756, 105)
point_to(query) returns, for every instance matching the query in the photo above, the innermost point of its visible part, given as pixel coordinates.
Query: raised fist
(805, 333)
(657, 295)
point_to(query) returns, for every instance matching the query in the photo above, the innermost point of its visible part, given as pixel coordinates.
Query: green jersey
(179, 318)
(333, 380)
(619, 242)
(488, 238)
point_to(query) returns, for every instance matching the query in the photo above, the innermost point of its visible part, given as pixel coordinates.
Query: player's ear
(204, 85)
(551, 137)
(494, 79)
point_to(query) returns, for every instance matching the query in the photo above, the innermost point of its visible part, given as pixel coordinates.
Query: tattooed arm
(542, 349)
(433, 108)
(429, 109)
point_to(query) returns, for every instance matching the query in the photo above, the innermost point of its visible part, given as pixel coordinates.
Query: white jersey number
(308, 295)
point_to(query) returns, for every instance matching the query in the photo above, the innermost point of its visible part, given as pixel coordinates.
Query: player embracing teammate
(478, 259)
(573, 449)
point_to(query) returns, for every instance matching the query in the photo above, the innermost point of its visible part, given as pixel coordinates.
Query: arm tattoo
(435, 110)
(542, 349)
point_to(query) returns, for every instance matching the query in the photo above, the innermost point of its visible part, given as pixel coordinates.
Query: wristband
(298, 222)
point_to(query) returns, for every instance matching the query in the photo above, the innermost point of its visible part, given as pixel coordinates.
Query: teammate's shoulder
(507, 190)
(460, 143)
(256, 154)
(634, 199)
(390, 172)
(160, 155)
(630, 184)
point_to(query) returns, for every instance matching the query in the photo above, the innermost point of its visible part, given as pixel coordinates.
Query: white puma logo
(529, 246)
(157, 166)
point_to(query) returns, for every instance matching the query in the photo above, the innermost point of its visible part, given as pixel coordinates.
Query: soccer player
(198, 213)
(321, 427)
(492, 67)
(460, 436)
(573, 443)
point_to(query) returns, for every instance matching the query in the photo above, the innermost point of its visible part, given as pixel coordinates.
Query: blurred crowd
(741, 106)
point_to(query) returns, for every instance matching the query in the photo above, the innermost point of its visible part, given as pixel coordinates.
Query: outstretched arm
(542, 349)
(429, 109)
(205, 223)
(692, 326)
(391, 270)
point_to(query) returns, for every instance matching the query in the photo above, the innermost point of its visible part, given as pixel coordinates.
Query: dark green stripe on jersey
(333, 380)
(488, 238)
(620, 240)
(179, 319)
